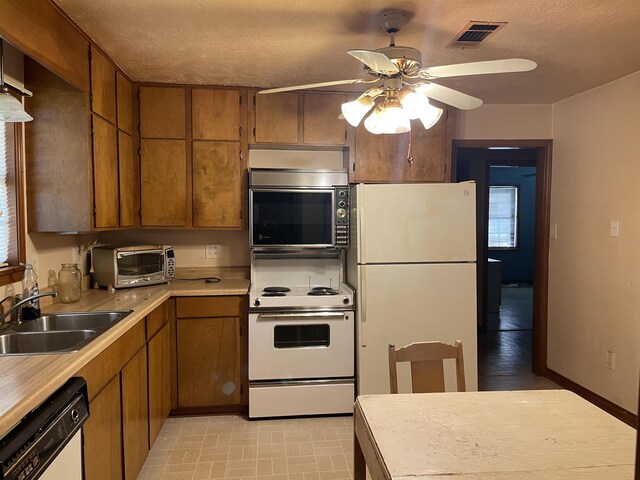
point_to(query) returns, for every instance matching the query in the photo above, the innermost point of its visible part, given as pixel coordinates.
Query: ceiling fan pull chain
(409, 152)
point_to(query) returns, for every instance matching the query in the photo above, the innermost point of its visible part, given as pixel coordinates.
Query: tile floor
(233, 447)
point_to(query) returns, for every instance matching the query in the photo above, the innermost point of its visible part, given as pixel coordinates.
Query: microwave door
(297, 218)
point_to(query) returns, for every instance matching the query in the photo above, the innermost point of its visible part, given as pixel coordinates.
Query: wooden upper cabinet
(163, 182)
(385, 158)
(276, 118)
(218, 186)
(124, 103)
(105, 173)
(216, 114)
(320, 119)
(162, 112)
(378, 158)
(126, 174)
(103, 86)
(431, 151)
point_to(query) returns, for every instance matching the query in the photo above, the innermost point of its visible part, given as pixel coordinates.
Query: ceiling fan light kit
(11, 110)
(407, 86)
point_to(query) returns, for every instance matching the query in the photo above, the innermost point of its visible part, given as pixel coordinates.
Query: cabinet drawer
(198, 307)
(156, 319)
(99, 371)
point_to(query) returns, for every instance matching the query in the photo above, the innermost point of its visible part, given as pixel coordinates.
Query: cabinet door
(320, 120)
(163, 182)
(105, 173)
(123, 90)
(431, 151)
(218, 187)
(159, 381)
(103, 86)
(208, 362)
(162, 112)
(215, 114)
(135, 414)
(126, 174)
(378, 158)
(276, 118)
(103, 435)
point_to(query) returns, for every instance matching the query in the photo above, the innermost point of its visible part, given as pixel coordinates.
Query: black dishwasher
(28, 450)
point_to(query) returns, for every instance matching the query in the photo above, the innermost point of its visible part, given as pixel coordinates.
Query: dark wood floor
(504, 350)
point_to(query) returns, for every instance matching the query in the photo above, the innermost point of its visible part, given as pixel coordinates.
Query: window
(503, 217)
(11, 217)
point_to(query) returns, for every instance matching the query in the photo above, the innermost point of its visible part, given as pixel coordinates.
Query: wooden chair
(427, 366)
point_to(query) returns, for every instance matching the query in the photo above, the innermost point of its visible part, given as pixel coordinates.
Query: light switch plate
(554, 231)
(615, 229)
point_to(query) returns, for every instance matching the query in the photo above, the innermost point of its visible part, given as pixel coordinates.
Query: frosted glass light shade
(354, 111)
(413, 103)
(430, 116)
(388, 118)
(11, 109)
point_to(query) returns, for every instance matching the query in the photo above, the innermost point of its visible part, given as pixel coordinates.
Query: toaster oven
(133, 266)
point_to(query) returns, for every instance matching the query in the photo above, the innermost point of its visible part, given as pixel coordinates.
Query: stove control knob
(256, 302)
(345, 300)
(341, 213)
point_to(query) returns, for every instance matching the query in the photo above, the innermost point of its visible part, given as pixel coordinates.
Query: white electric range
(301, 338)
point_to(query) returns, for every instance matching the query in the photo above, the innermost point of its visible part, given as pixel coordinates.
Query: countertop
(27, 380)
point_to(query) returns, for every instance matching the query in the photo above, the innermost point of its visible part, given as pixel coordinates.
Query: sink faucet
(16, 308)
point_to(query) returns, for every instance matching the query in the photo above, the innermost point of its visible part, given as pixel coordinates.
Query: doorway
(512, 288)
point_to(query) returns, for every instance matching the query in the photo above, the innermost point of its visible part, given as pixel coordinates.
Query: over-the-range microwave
(298, 209)
(132, 266)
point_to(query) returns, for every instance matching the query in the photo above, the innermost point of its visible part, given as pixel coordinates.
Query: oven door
(285, 346)
(292, 218)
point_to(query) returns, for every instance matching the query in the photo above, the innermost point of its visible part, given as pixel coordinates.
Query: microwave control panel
(342, 217)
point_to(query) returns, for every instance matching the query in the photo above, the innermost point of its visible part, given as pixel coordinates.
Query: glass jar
(69, 283)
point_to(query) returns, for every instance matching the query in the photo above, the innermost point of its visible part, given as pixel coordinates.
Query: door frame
(543, 150)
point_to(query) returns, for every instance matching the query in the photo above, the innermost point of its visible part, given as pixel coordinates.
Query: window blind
(503, 216)
(4, 195)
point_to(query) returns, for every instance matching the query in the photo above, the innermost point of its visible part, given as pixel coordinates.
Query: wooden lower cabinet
(103, 435)
(208, 362)
(135, 414)
(158, 351)
(210, 353)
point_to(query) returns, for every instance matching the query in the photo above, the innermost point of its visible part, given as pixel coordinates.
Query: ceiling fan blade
(450, 97)
(376, 61)
(317, 85)
(478, 68)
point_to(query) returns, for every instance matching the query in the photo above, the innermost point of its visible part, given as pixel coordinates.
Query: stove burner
(274, 294)
(317, 291)
(276, 290)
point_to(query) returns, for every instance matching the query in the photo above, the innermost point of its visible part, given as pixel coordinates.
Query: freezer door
(416, 223)
(401, 304)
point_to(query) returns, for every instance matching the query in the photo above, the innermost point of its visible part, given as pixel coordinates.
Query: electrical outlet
(212, 250)
(611, 359)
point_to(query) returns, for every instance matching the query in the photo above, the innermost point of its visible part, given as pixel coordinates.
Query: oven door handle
(302, 314)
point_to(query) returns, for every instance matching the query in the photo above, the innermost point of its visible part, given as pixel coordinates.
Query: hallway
(504, 350)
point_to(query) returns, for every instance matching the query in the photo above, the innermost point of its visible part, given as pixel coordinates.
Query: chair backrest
(427, 365)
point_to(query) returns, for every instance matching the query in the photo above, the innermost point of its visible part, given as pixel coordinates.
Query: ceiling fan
(402, 86)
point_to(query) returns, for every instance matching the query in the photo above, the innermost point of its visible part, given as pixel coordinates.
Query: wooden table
(535, 434)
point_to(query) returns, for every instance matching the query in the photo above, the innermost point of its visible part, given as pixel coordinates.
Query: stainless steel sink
(16, 343)
(57, 332)
(56, 322)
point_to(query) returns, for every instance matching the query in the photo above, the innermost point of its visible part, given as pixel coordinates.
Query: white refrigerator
(412, 261)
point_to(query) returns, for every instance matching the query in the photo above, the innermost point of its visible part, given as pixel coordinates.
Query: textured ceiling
(578, 44)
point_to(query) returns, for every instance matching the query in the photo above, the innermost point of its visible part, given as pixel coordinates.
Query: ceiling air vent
(475, 33)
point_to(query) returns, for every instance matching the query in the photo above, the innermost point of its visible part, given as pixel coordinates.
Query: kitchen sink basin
(57, 332)
(16, 343)
(57, 322)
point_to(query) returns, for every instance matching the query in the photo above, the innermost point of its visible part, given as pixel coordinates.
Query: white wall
(504, 122)
(594, 287)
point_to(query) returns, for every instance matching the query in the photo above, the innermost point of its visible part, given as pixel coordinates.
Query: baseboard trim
(608, 406)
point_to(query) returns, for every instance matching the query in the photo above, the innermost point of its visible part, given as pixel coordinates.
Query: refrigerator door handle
(363, 308)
